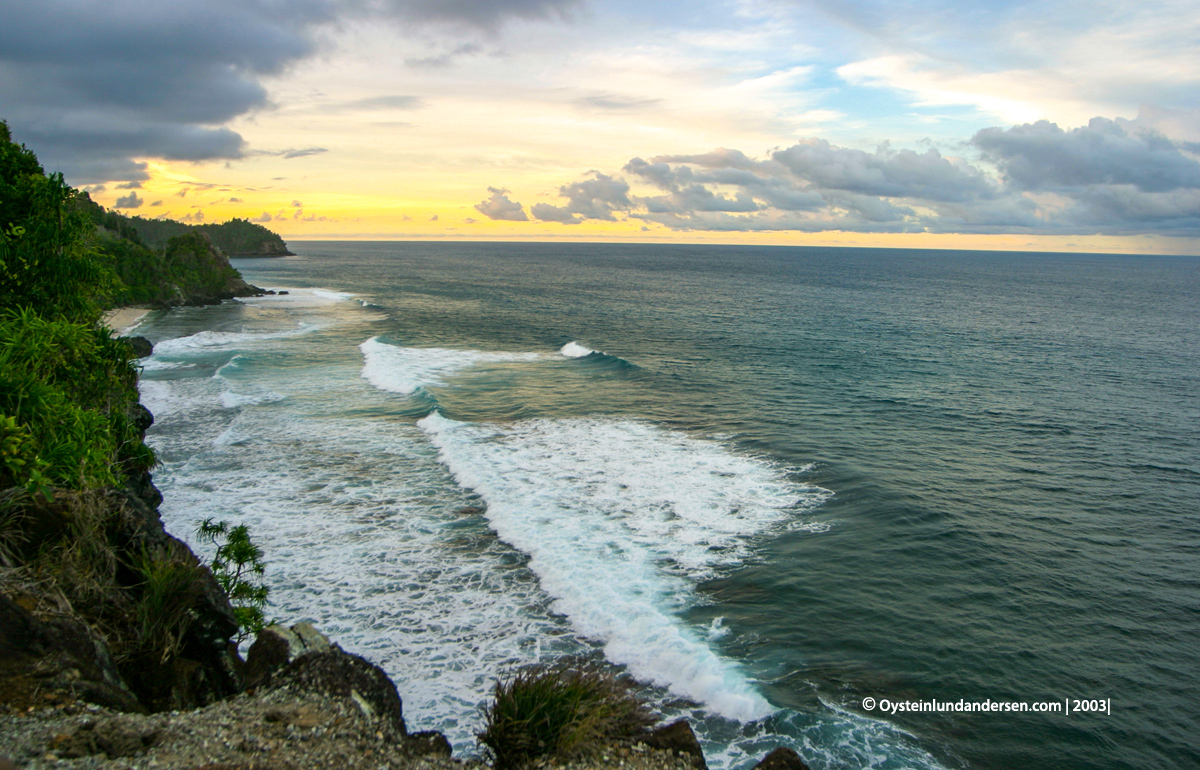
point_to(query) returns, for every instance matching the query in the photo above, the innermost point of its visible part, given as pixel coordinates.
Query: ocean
(775, 485)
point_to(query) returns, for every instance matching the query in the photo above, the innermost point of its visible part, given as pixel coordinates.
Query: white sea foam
(399, 575)
(575, 350)
(231, 400)
(156, 396)
(337, 296)
(619, 519)
(158, 365)
(209, 340)
(402, 370)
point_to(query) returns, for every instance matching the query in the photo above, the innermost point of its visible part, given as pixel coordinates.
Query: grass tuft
(560, 710)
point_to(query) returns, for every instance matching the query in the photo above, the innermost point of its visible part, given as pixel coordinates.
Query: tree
(45, 262)
(239, 568)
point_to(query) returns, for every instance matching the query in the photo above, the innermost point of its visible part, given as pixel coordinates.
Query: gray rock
(677, 737)
(142, 347)
(335, 672)
(277, 646)
(781, 758)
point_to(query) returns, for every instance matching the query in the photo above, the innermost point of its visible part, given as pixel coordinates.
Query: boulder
(277, 646)
(677, 737)
(59, 659)
(781, 758)
(430, 743)
(335, 672)
(142, 347)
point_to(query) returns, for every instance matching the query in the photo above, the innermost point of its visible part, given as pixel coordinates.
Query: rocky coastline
(297, 701)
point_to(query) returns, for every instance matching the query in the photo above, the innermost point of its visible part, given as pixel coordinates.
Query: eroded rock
(676, 737)
(781, 758)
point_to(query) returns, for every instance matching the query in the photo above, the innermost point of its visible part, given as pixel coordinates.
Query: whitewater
(455, 477)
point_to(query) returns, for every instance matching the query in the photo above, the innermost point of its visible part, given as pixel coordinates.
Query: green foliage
(241, 236)
(167, 272)
(45, 263)
(561, 710)
(169, 591)
(235, 237)
(19, 454)
(65, 394)
(239, 568)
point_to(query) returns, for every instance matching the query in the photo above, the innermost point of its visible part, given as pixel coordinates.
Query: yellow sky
(387, 136)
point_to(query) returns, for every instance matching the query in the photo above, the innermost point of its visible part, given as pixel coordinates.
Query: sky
(1058, 125)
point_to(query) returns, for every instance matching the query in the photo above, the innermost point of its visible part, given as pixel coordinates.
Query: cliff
(117, 644)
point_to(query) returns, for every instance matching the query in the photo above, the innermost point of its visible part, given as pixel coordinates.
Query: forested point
(236, 238)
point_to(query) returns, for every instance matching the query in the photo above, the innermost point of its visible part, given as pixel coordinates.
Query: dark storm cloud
(92, 86)
(1042, 156)
(1104, 178)
(499, 206)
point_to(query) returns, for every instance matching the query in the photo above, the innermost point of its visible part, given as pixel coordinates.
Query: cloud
(1042, 156)
(263, 217)
(157, 203)
(443, 59)
(291, 153)
(236, 200)
(886, 172)
(499, 207)
(95, 88)
(129, 186)
(595, 198)
(394, 102)
(613, 103)
(487, 15)
(561, 214)
(193, 216)
(1103, 178)
(130, 201)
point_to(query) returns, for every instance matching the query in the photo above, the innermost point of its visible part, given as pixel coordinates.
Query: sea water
(770, 484)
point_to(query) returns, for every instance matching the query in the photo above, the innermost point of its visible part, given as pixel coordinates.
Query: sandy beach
(123, 320)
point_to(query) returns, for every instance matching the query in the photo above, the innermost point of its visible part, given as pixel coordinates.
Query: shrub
(560, 710)
(65, 394)
(238, 568)
(167, 596)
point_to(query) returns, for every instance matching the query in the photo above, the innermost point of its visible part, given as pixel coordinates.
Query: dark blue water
(968, 475)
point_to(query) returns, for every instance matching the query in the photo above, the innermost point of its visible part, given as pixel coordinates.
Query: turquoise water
(769, 482)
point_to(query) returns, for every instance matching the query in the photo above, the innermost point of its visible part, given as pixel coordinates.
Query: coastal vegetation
(239, 568)
(561, 711)
(236, 238)
(85, 566)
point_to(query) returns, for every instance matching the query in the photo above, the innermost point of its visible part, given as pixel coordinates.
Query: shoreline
(123, 320)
